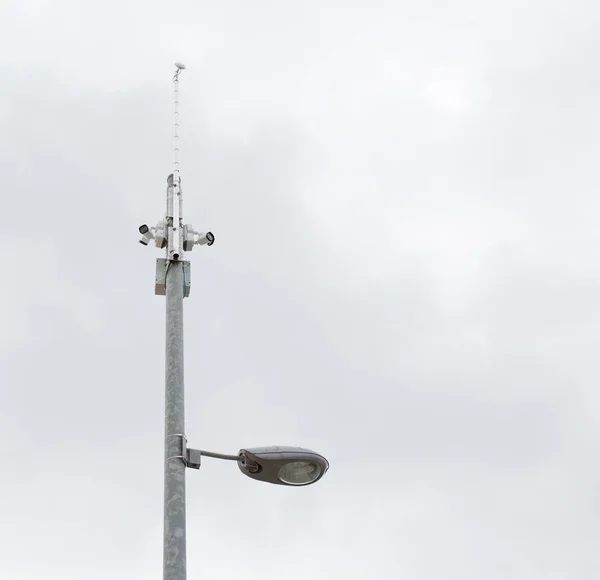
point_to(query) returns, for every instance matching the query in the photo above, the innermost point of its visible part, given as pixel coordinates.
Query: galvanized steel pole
(174, 548)
(174, 540)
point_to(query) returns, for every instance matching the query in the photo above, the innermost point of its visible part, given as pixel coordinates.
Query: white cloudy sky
(406, 278)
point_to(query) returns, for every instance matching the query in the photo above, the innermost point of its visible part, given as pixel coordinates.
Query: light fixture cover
(283, 465)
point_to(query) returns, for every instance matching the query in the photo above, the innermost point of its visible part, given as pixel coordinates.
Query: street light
(283, 465)
(293, 466)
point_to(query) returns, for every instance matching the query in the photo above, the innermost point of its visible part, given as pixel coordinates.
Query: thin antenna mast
(174, 197)
(179, 67)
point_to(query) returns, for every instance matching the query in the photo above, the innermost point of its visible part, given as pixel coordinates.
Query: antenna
(178, 68)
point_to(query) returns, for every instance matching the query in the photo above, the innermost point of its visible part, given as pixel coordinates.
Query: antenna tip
(180, 65)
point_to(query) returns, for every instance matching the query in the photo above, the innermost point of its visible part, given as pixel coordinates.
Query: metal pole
(174, 547)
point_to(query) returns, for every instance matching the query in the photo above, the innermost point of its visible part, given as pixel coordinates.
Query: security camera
(156, 233)
(191, 237)
(147, 234)
(205, 238)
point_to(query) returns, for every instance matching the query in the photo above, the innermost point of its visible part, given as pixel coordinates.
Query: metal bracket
(190, 457)
(183, 455)
(193, 458)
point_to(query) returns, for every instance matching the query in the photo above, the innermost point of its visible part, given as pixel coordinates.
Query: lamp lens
(299, 472)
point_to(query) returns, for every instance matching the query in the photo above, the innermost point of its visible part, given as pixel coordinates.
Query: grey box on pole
(160, 284)
(187, 279)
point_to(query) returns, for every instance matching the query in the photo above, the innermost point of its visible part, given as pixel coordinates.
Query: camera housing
(147, 234)
(207, 238)
(191, 237)
(153, 233)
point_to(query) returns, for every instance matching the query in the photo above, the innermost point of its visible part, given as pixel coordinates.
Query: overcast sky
(406, 278)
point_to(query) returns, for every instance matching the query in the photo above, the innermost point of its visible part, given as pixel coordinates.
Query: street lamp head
(283, 465)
